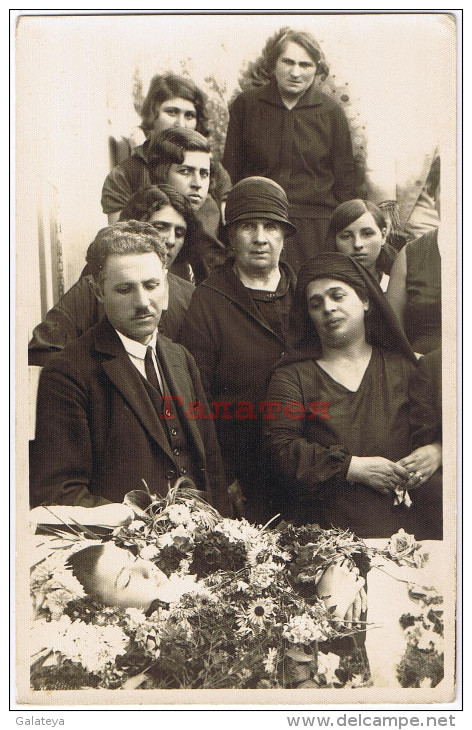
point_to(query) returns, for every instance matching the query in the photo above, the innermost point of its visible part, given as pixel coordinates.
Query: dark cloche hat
(258, 197)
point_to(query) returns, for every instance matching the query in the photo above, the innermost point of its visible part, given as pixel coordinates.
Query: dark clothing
(79, 309)
(422, 315)
(311, 453)
(426, 421)
(228, 330)
(383, 329)
(308, 241)
(307, 150)
(98, 433)
(426, 401)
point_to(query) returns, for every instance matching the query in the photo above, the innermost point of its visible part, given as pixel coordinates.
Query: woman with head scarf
(342, 435)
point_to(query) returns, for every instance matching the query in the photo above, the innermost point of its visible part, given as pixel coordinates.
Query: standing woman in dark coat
(235, 327)
(290, 131)
(341, 445)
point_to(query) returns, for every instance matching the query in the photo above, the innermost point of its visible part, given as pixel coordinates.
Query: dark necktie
(151, 374)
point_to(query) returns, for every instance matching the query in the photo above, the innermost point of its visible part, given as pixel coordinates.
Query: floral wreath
(246, 614)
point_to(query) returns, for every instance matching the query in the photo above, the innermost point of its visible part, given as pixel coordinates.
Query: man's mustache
(142, 312)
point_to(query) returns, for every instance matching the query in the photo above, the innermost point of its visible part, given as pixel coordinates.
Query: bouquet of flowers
(422, 664)
(246, 614)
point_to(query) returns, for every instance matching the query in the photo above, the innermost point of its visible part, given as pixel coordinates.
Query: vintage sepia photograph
(236, 246)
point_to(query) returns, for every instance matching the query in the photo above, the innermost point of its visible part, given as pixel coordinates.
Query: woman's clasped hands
(422, 463)
(384, 476)
(378, 473)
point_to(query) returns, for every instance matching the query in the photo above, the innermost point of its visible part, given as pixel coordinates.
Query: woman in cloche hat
(236, 327)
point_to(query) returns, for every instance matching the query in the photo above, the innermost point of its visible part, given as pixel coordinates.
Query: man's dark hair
(83, 564)
(130, 237)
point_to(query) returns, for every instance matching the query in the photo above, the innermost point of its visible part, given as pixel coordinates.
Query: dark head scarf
(383, 329)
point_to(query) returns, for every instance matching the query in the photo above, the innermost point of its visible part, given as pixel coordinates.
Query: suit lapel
(123, 375)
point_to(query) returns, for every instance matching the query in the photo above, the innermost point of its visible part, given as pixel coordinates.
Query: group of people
(233, 323)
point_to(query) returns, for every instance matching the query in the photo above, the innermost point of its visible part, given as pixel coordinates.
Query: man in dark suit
(113, 407)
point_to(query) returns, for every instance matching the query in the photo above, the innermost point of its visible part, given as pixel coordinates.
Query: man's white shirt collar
(135, 348)
(137, 352)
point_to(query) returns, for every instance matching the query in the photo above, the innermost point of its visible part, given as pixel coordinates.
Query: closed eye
(150, 285)
(123, 579)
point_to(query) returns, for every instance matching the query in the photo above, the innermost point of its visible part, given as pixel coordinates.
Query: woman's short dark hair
(171, 145)
(130, 237)
(169, 148)
(277, 43)
(170, 86)
(147, 201)
(348, 212)
(83, 564)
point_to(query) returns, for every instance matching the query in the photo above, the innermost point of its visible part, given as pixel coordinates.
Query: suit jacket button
(170, 474)
(183, 470)
(174, 432)
(176, 452)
